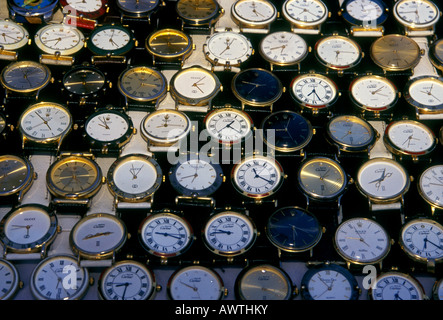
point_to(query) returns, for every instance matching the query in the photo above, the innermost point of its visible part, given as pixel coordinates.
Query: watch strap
(226, 23)
(379, 149)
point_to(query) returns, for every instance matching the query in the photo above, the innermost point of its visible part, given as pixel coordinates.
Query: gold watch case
(16, 176)
(169, 45)
(199, 12)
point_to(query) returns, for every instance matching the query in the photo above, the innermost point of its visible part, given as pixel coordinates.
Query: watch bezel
(365, 23)
(64, 52)
(329, 65)
(19, 44)
(422, 193)
(413, 25)
(137, 13)
(333, 85)
(244, 22)
(435, 58)
(218, 60)
(206, 20)
(16, 64)
(89, 15)
(15, 285)
(115, 52)
(181, 55)
(27, 181)
(280, 62)
(397, 274)
(301, 24)
(79, 69)
(437, 109)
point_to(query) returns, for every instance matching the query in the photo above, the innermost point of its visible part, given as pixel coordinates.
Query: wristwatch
(362, 241)
(27, 230)
(409, 139)
(83, 14)
(264, 282)
(196, 179)
(394, 285)
(305, 17)
(283, 49)
(10, 281)
(329, 282)
(437, 290)
(198, 16)
(420, 239)
(429, 186)
(417, 17)
(142, 87)
(23, 11)
(257, 87)
(281, 230)
(365, 17)
(435, 54)
(165, 234)
(257, 177)
(169, 48)
(286, 131)
(107, 131)
(227, 50)
(196, 282)
(16, 38)
(43, 126)
(395, 53)
(136, 13)
(124, 179)
(73, 179)
(98, 237)
(16, 177)
(17, 83)
(59, 43)
(127, 280)
(254, 16)
(425, 94)
(109, 43)
(165, 129)
(314, 93)
(338, 53)
(229, 233)
(374, 95)
(54, 271)
(193, 89)
(351, 134)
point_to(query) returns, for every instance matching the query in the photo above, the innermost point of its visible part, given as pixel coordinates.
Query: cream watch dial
(362, 241)
(397, 286)
(425, 93)
(373, 93)
(430, 185)
(165, 126)
(228, 125)
(411, 13)
(283, 48)
(223, 48)
(254, 12)
(305, 13)
(338, 52)
(59, 38)
(12, 35)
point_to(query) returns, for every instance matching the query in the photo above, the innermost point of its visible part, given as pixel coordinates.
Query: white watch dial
(283, 48)
(430, 185)
(254, 11)
(364, 10)
(9, 280)
(111, 39)
(373, 93)
(362, 241)
(166, 126)
(396, 286)
(410, 137)
(108, 126)
(314, 90)
(228, 125)
(85, 6)
(194, 83)
(228, 48)
(338, 52)
(305, 12)
(412, 13)
(55, 38)
(12, 36)
(427, 93)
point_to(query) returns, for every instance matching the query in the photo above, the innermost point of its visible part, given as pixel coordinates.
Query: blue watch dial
(33, 4)
(293, 229)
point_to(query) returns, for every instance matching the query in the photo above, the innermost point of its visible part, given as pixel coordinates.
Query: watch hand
(166, 234)
(189, 286)
(221, 231)
(44, 121)
(120, 284)
(196, 85)
(90, 236)
(227, 126)
(434, 244)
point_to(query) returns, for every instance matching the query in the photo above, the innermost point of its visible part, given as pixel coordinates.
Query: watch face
(409, 137)
(169, 43)
(314, 91)
(48, 280)
(16, 174)
(59, 38)
(425, 93)
(416, 14)
(365, 12)
(127, 280)
(137, 7)
(27, 5)
(25, 76)
(362, 241)
(257, 87)
(196, 177)
(373, 93)
(110, 40)
(74, 177)
(395, 52)
(322, 178)
(197, 12)
(338, 53)
(84, 81)
(165, 234)
(45, 122)
(125, 177)
(227, 48)
(257, 176)
(228, 125)
(229, 233)
(195, 283)
(305, 13)
(351, 133)
(15, 35)
(382, 179)
(142, 84)
(422, 240)
(28, 228)
(329, 282)
(436, 54)
(293, 229)
(396, 286)
(437, 290)
(286, 131)
(253, 12)
(98, 236)
(430, 186)
(264, 282)
(166, 126)
(109, 126)
(9, 280)
(283, 48)
(91, 9)
(194, 86)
